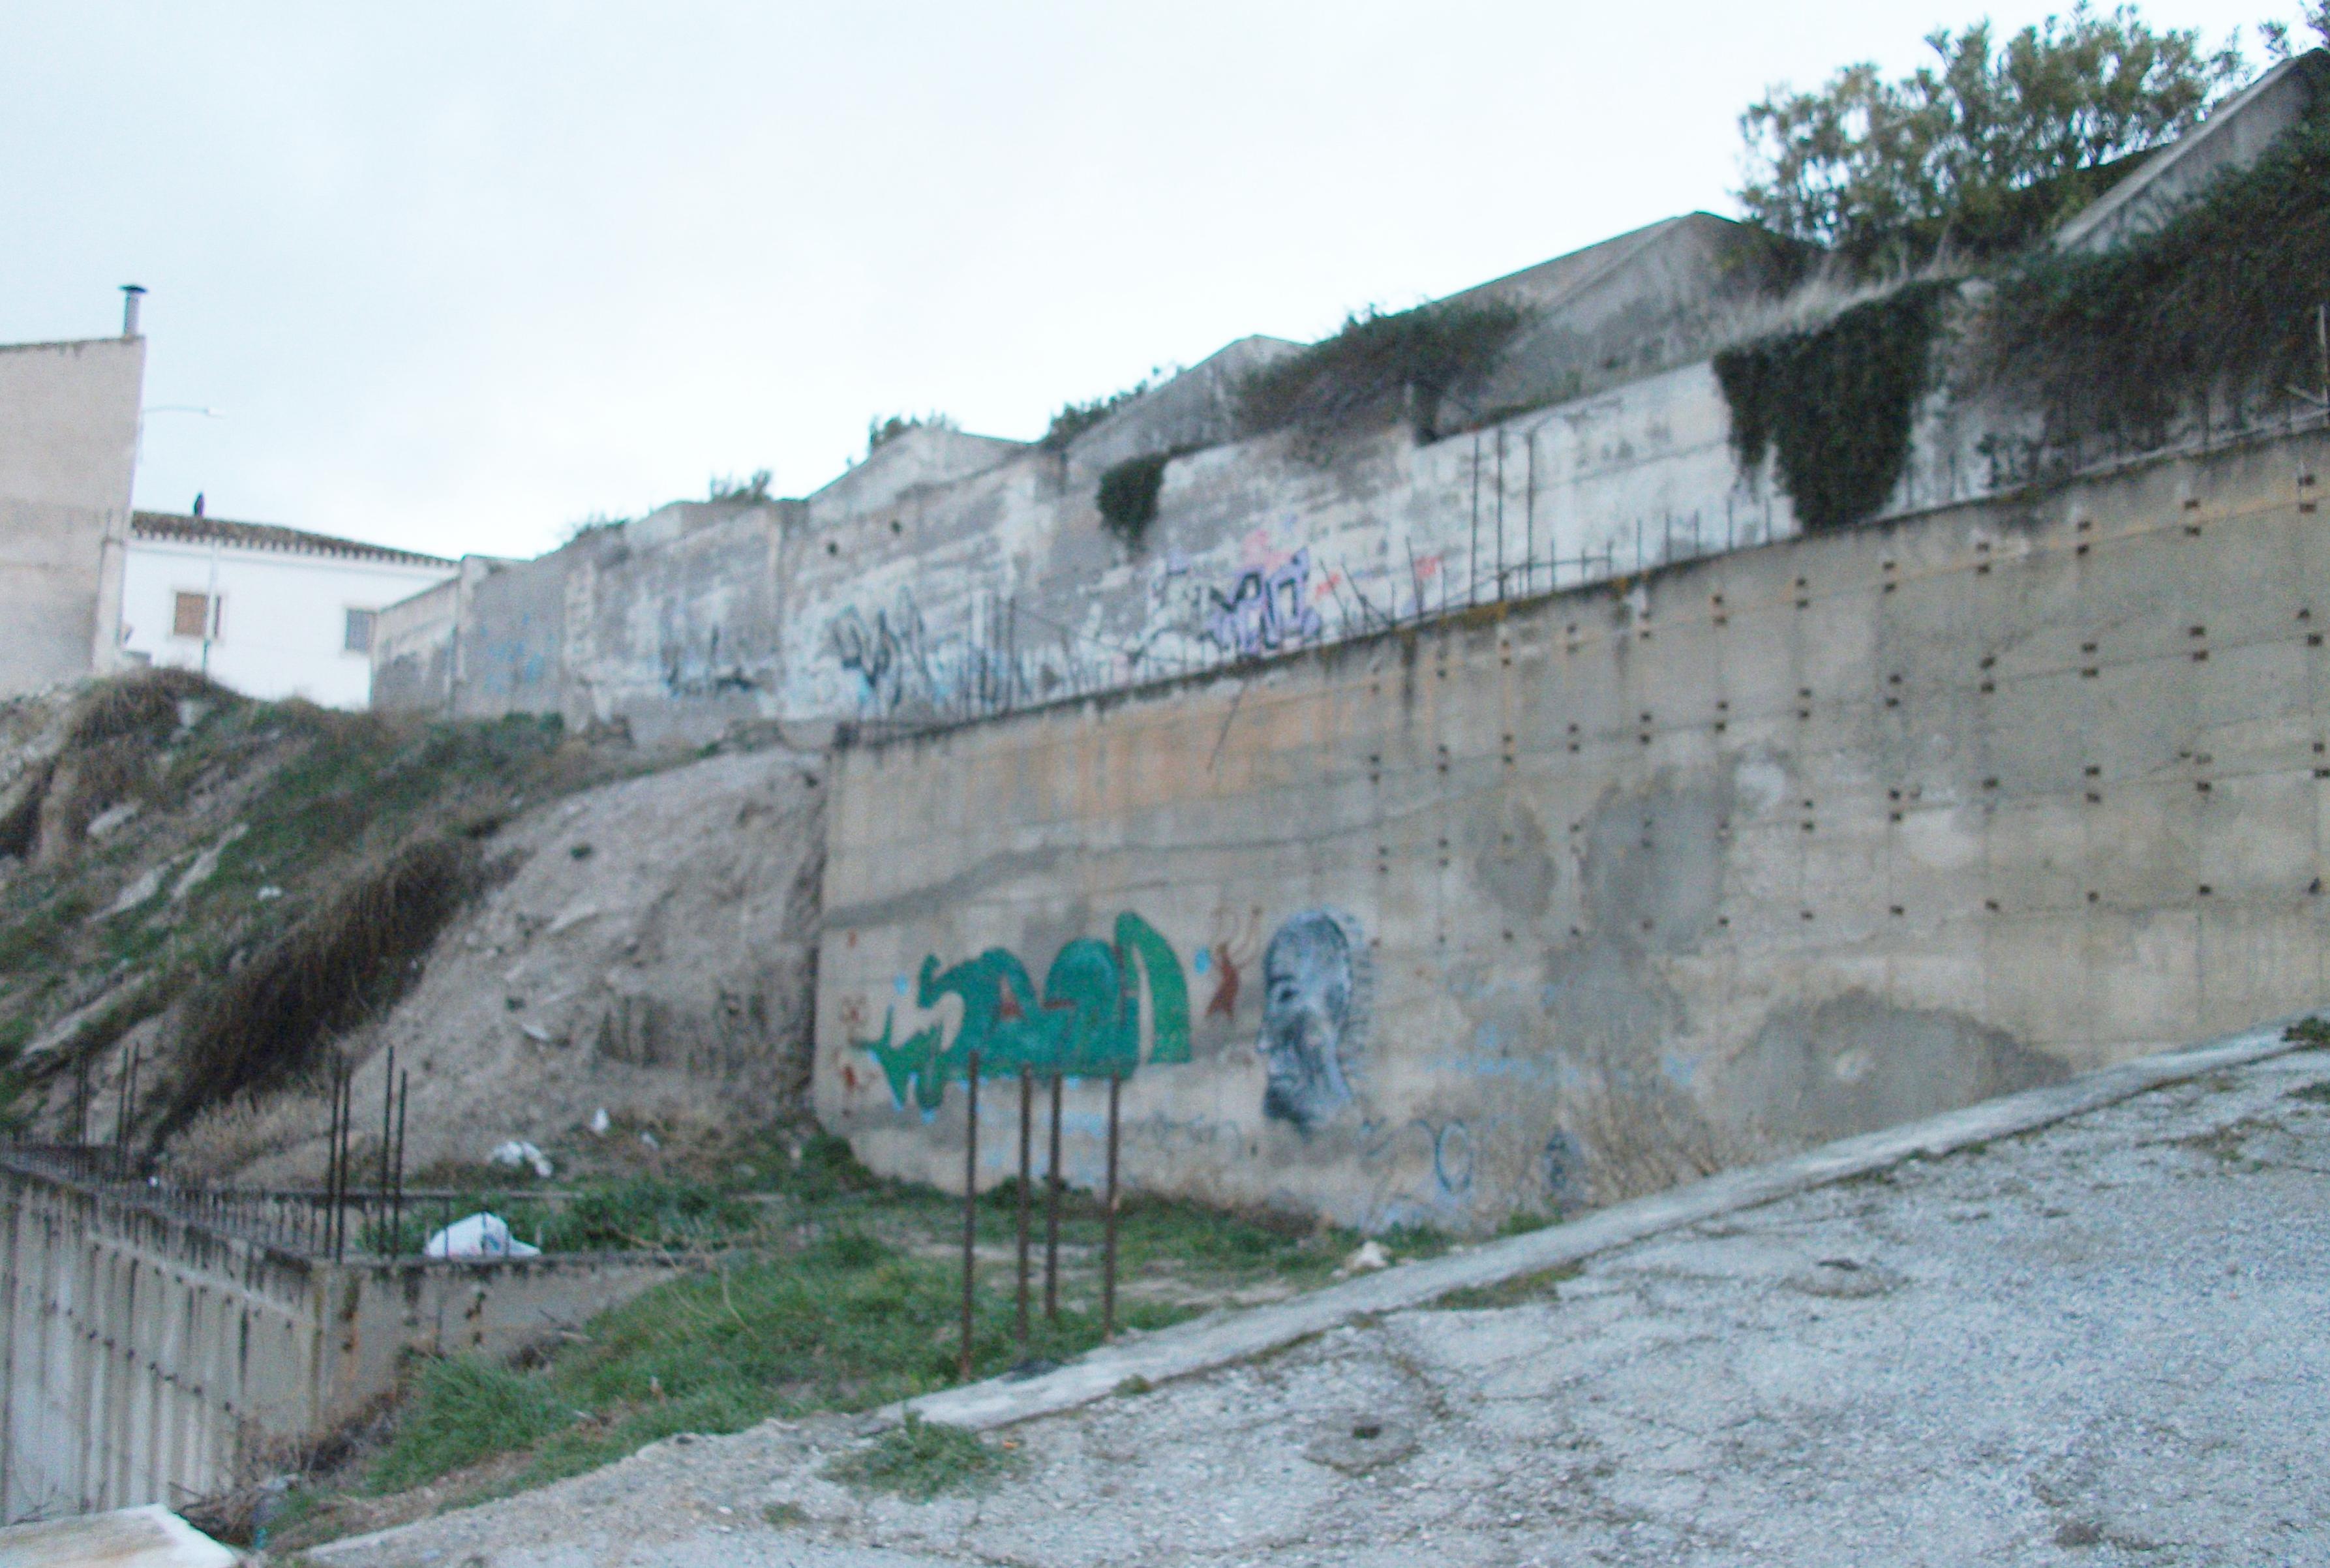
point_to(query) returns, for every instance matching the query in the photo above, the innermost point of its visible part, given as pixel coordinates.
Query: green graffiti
(1086, 1023)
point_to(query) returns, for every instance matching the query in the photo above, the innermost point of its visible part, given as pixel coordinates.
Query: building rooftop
(192, 530)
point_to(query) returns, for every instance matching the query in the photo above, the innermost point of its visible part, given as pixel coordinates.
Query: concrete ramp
(151, 1537)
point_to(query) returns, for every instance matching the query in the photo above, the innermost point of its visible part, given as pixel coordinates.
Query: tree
(1984, 150)
(2277, 46)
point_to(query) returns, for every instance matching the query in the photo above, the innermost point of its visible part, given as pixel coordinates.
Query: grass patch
(2312, 1094)
(463, 1409)
(922, 1460)
(1541, 1285)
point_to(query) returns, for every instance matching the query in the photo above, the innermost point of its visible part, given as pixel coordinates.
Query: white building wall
(282, 623)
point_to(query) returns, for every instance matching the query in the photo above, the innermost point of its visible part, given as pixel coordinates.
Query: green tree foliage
(1983, 149)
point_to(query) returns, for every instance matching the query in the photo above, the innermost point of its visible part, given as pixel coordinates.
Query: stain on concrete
(1513, 860)
(1855, 1063)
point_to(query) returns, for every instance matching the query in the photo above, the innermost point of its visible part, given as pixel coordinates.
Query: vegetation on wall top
(1075, 419)
(2219, 303)
(1835, 401)
(1982, 151)
(880, 432)
(1361, 375)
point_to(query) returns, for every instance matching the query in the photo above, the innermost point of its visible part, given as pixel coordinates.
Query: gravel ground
(2100, 1343)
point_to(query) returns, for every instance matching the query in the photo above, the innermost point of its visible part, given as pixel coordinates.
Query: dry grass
(222, 1141)
(1642, 1133)
(351, 957)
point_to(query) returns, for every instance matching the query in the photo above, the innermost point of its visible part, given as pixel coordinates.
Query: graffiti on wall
(1099, 1001)
(890, 653)
(1265, 610)
(1316, 992)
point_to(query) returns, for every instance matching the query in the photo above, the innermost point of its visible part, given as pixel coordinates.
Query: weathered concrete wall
(68, 449)
(150, 1359)
(949, 575)
(413, 648)
(1570, 898)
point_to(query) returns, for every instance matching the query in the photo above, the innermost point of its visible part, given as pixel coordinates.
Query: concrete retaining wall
(1571, 898)
(150, 1359)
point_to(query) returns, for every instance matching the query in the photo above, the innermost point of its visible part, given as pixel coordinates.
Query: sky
(456, 278)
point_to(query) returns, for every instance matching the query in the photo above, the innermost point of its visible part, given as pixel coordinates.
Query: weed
(1518, 1291)
(2313, 1094)
(647, 1214)
(920, 1460)
(463, 1409)
(2308, 1032)
(785, 1515)
(1134, 1387)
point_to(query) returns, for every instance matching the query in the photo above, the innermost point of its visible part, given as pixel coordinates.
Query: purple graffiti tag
(1266, 610)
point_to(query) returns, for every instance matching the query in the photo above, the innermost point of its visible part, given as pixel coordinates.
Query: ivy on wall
(2219, 301)
(1835, 402)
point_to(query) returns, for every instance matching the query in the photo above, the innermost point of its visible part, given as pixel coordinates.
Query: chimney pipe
(131, 294)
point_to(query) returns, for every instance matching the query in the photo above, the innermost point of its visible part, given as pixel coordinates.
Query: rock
(1369, 1257)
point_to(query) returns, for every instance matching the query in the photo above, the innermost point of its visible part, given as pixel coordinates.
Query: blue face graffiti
(1314, 999)
(1088, 1022)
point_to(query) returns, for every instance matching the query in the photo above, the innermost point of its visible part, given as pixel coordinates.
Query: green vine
(1835, 402)
(2218, 302)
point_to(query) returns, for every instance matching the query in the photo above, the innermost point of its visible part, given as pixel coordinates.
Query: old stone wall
(1558, 900)
(147, 1359)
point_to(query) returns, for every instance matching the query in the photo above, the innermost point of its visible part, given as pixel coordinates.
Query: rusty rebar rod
(1108, 1219)
(396, 1212)
(1027, 1182)
(969, 1201)
(387, 1115)
(1052, 1184)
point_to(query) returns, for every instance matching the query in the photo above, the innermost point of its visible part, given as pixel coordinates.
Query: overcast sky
(459, 276)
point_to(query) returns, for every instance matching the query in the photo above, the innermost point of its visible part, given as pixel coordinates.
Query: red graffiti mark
(1007, 1005)
(1225, 989)
(1426, 565)
(1327, 585)
(849, 1078)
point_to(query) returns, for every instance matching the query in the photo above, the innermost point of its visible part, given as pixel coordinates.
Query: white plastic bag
(479, 1235)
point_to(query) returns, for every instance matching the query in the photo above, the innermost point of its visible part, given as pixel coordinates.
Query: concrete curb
(1218, 1339)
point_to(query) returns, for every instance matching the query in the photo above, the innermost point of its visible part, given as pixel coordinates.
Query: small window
(359, 635)
(189, 614)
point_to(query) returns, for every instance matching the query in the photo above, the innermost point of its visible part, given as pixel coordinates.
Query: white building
(271, 612)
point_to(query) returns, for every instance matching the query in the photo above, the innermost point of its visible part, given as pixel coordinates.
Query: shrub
(1363, 372)
(1128, 495)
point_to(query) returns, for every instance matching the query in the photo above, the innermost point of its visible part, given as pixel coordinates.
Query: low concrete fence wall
(1568, 899)
(148, 1358)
